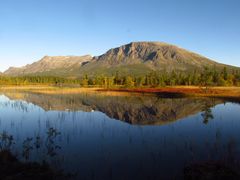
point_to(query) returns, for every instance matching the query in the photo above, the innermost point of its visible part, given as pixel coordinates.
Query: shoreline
(187, 91)
(174, 91)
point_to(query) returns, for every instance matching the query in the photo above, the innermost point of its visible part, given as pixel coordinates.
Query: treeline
(207, 77)
(36, 80)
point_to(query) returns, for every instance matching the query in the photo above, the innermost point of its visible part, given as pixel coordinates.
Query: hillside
(136, 58)
(56, 65)
(142, 57)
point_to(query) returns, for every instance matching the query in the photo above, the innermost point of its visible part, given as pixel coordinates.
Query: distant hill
(55, 65)
(136, 58)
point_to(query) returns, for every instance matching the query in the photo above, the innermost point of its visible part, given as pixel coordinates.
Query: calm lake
(98, 136)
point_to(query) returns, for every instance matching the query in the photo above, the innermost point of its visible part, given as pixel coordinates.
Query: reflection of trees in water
(37, 142)
(52, 148)
(6, 141)
(31, 144)
(27, 148)
(207, 112)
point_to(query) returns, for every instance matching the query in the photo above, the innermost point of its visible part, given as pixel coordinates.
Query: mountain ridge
(48, 63)
(133, 58)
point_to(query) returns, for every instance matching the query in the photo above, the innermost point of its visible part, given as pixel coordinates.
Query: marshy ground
(178, 91)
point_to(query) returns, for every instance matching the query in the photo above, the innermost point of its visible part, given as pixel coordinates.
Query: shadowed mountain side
(134, 110)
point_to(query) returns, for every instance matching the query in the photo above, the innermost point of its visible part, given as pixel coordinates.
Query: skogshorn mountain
(137, 58)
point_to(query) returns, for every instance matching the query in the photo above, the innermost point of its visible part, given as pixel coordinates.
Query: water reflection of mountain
(131, 109)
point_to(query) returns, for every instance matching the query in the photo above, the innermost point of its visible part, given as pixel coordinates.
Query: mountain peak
(144, 52)
(148, 44)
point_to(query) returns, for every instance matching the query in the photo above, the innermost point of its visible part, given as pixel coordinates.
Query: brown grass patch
(177, 91)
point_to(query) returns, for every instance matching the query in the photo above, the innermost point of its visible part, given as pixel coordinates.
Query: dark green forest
(207, 77)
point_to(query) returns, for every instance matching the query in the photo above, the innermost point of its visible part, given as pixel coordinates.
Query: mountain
(136, 58)
(144, 57)
(56, 65)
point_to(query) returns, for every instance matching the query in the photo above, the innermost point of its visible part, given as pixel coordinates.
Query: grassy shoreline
(185, 91)
(178, 91)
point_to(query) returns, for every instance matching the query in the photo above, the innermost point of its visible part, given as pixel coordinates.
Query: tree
(140, 81)
(84, 82)
(225, 73)
(206, 77)
(117, 79)
(129, 81)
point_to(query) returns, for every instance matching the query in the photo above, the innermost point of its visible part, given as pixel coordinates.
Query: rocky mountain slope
(135, 58)
(143, 57)
(58, 65)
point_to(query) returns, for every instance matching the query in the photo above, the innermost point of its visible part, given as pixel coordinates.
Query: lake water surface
(101, 136)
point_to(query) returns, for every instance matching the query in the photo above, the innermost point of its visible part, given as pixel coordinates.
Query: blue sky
(30, 29)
